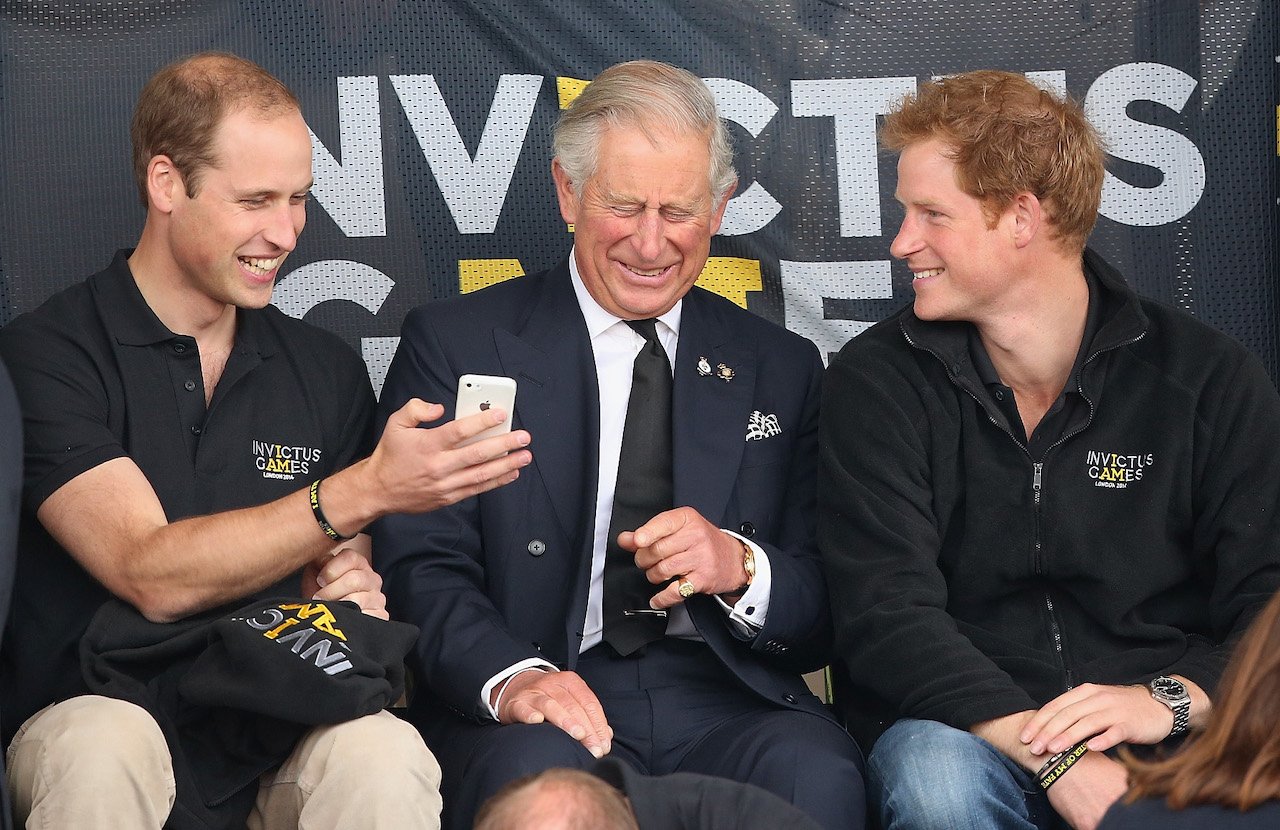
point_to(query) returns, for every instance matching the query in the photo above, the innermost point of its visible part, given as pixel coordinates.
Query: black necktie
(643, 490)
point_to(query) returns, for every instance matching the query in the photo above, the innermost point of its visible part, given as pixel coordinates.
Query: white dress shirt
(615, 346)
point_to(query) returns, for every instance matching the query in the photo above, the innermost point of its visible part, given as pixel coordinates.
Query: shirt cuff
(529, 664)
(747, 616)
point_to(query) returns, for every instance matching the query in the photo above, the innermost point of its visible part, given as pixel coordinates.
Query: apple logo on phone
(484, 406)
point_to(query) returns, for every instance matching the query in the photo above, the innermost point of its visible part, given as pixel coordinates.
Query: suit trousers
(96, 762)
(673, 708)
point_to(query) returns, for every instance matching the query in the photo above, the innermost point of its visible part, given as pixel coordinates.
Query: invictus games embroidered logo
(1116, 471)
(283, 461)
(309, 630)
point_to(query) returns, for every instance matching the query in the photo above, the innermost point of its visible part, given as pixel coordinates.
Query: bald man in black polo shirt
(174, 422)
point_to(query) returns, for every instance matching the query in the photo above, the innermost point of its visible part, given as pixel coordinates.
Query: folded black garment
(234, 690)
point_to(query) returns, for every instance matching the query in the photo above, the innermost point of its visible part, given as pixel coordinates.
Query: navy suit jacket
(503, 576)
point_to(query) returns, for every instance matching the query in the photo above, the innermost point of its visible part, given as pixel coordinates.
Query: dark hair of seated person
(1235, 760)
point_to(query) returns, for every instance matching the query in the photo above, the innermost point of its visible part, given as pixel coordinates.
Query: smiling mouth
(647, 273)
(259, 266)
(931, 272)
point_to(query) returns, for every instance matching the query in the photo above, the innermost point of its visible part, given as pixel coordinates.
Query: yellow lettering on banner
(474, 274)
(326, 621)
(731, 277)
(569, 89)
(275, 632)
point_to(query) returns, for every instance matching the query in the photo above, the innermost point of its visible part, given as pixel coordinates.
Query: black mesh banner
(432, 121)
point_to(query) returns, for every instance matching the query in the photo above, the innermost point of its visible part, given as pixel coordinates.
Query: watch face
(1168, 688)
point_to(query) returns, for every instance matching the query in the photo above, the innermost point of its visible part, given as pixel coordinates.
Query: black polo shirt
(100, 377)
(1069, 412)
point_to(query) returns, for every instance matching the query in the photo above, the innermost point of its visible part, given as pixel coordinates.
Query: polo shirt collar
(133, 323)
(987, 371)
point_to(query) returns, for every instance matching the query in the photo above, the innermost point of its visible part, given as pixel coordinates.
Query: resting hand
(345, 575)
(422, 469)
(681, 542)
(1105, 715)
(562, 699)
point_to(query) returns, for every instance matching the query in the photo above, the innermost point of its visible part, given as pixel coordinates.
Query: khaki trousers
(95, 762)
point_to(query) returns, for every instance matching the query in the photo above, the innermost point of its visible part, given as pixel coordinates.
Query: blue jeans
(925, 775)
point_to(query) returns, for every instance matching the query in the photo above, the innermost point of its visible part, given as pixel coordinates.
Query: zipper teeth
(1038, 468)
(1057, 635)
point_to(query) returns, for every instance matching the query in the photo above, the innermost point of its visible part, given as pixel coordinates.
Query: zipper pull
(1036, 480)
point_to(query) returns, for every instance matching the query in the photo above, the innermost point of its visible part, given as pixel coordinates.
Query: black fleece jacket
(969, 582)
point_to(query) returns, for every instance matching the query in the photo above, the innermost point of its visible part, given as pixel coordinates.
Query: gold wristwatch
(748, 563)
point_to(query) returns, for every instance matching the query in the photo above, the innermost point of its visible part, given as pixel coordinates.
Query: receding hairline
(544, 795)
(249, 86)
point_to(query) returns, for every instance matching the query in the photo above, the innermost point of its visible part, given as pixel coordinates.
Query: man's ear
(569, 202)
(1028, 218)
(164, 184)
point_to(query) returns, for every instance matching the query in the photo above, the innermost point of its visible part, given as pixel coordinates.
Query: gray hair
(652, 97)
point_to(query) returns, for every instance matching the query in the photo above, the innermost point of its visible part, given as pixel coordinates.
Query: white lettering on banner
(1172, 153)
(854, 103)
(352, 193)
(805, 285)
(377, 353)
(475, 189)
(341, 279)
(309, 285)
(752, 110)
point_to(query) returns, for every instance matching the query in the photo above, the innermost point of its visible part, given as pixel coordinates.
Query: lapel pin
(704, 367)
(724, 372)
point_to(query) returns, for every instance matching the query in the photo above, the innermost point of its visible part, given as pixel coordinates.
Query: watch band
(749, 563)
(1181, 718)
(1173, 693)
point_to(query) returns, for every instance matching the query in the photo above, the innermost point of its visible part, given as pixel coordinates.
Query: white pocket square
(761, 426)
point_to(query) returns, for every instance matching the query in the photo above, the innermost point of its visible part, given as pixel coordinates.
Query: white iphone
(477, 393)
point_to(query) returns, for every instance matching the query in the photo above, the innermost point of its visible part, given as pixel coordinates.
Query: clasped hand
(681, 542)
(345, 574)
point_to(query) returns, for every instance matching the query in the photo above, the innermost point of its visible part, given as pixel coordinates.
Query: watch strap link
(1181, 718)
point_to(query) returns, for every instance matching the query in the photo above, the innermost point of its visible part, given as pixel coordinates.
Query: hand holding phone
(478, 393)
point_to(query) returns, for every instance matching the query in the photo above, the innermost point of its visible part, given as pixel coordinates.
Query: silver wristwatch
(1173, 693)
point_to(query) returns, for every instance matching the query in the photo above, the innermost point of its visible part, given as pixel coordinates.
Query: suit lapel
(551, 360)
(710, 413)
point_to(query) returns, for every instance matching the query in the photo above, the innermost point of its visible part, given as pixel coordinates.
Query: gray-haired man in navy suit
(649, 588)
